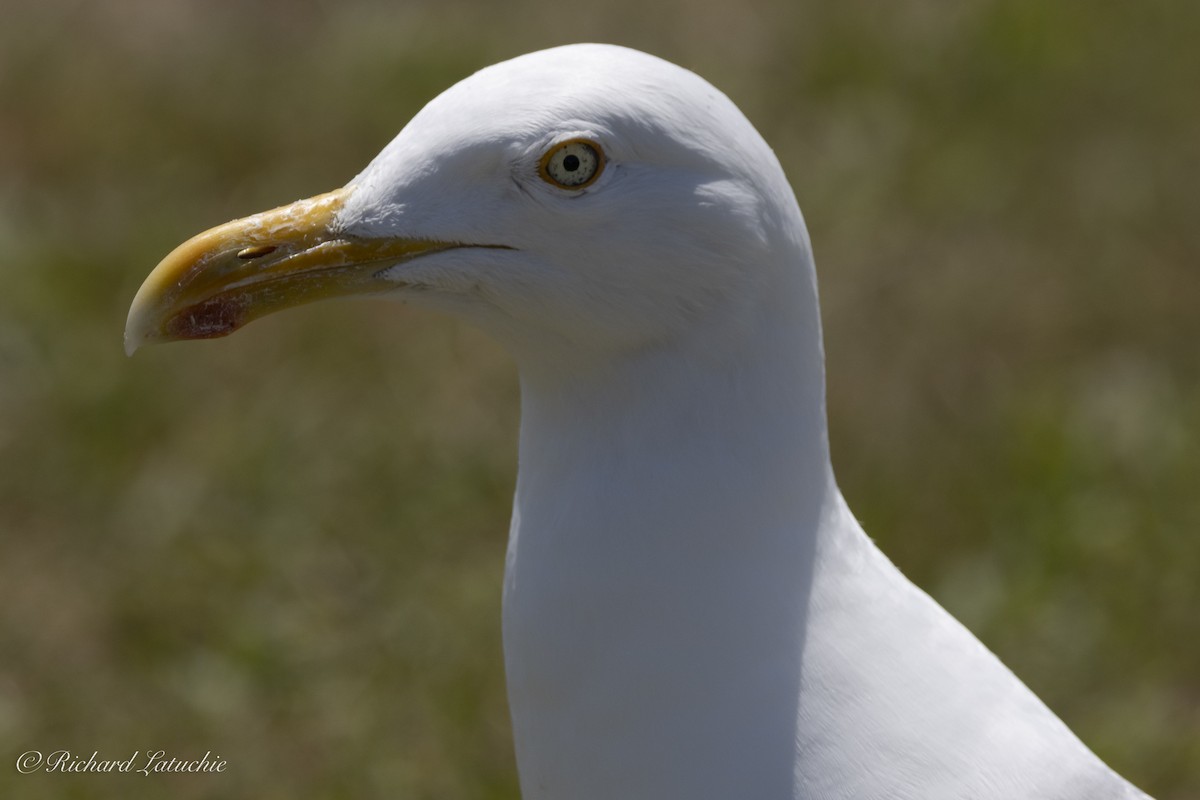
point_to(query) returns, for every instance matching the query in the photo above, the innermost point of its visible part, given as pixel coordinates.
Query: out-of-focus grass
(286, 547)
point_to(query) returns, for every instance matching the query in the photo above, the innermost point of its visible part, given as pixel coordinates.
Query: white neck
(690, 610)
(659, 562)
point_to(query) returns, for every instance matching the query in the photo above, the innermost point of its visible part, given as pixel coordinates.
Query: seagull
(690, 609)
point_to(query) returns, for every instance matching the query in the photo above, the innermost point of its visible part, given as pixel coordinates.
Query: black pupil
(571, 163)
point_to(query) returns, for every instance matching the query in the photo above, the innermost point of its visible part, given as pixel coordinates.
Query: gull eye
(573, 164)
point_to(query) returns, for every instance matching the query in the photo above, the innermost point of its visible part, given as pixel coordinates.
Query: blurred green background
(286, 547)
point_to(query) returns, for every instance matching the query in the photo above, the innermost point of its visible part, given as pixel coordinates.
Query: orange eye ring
(574, 164)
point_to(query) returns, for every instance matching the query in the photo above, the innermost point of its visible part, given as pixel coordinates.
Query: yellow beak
(219, 280)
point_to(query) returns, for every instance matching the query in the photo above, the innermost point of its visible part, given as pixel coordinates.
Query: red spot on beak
(217, 316)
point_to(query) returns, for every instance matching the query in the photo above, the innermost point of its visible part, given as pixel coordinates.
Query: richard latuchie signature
(147, 763)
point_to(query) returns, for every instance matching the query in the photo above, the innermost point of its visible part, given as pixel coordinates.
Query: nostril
(257, 251)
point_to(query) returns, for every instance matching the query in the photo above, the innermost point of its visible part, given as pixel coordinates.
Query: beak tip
(138, 328)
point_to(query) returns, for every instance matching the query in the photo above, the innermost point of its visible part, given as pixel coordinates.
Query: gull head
(589, 198)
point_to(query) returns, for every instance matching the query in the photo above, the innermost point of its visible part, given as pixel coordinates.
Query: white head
(683, 221)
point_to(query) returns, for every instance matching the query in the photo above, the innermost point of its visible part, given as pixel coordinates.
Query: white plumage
(690, 609)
